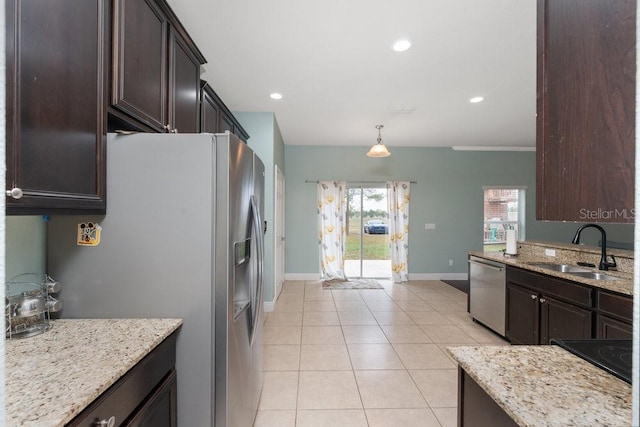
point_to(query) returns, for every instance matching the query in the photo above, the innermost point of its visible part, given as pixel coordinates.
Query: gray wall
(448, 193)
(26, 235)
(25, 245)
(265, 139)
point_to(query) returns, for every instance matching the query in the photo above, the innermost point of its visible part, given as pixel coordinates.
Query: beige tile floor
(374, 357)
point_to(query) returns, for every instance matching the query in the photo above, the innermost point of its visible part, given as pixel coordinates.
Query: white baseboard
(412, 276)
(438, 276)
(302, 276)
(269, 306)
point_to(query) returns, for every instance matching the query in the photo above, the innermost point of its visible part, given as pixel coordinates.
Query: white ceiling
(332, 61)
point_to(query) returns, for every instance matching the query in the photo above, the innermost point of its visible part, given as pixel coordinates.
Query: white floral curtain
(398, 198)
(332, 208)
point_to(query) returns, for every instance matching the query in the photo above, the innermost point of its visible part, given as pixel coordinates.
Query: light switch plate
(550, 252)
(430, 226)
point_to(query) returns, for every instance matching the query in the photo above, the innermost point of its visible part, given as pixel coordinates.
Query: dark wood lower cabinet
(523, 314)
(540, 308)
(563, 321)
(145, 396)
(476, 408)
(614, 318)
(160, 408)
(610, 328)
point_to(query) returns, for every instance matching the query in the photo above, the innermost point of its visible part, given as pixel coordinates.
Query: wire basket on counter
(28, 304)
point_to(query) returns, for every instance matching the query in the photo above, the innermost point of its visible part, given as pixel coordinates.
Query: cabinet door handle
(543, 300)
(534, 296)
(167, 127)
(15, 193)
(111, 422)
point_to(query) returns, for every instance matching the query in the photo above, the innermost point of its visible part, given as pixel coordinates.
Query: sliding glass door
(367, 250)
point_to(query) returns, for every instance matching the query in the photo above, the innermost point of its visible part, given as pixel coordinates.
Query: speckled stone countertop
(50, 378)
(547, 386)
(532, 253)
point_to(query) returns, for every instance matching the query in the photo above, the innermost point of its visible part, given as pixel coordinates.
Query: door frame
(279, 239)
(362, 186)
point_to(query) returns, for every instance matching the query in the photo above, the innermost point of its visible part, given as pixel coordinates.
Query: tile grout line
(371, 301)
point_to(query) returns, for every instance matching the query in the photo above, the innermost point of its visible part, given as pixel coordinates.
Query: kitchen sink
(562, 268)
(594, 275)
(574, 271)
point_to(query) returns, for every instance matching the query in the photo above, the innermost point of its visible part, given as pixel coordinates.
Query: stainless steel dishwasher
(487, 293)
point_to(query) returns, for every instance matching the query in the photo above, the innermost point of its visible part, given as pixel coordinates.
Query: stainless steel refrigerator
(182, 237)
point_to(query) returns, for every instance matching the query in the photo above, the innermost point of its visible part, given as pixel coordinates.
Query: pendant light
(379, 149)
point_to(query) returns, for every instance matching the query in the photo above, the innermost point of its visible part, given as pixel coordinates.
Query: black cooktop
(614, 356)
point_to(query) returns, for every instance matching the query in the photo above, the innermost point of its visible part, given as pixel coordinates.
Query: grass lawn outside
(374, 246)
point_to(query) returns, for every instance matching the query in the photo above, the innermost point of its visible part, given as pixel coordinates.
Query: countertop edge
(622, 286)
(523, 381)
(469, 369)
(73, 364)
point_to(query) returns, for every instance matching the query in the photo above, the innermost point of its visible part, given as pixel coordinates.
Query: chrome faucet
(604, 264)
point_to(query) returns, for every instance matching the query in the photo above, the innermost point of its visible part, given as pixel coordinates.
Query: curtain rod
(308, 181)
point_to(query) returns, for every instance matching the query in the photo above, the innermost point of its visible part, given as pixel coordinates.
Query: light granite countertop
(50, 378)
(547, 386)
(624, 285)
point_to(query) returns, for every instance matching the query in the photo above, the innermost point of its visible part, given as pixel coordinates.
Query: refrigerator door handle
(257, 288)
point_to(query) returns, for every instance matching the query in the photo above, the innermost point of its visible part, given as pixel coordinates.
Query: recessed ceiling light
(401, 45)
(276, 95)
(476, 99)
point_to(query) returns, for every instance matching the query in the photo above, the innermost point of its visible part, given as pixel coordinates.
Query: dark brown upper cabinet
(586, 110)
(215, 117)
(156, 69)
(184, 85)
(57, 63)
(209, 110)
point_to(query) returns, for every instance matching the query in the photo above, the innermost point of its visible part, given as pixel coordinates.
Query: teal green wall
(449, 193)
(265, 139)
(25, 245)
(278, 148)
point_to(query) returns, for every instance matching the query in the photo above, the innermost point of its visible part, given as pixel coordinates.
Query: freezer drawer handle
(489, 266)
